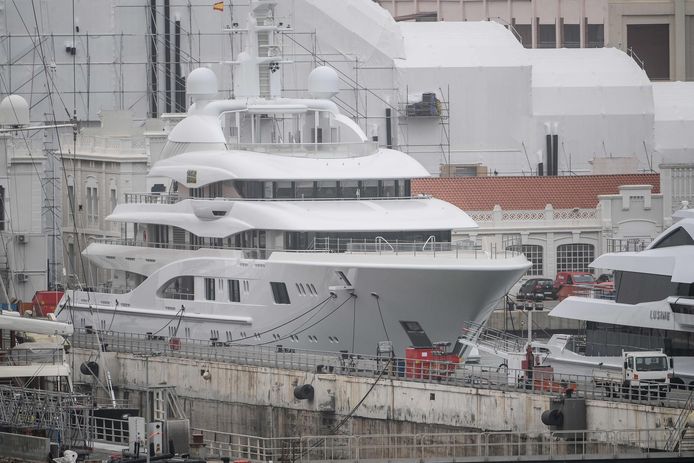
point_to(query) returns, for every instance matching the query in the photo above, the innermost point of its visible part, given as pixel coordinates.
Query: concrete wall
(28, 448)
(253, 400)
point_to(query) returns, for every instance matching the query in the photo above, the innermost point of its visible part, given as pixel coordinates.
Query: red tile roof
(518, 193)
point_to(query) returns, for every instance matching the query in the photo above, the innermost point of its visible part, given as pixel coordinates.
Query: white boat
(653, 307)
(295, 229)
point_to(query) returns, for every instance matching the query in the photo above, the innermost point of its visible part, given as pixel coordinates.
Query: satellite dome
(323, 82)
(14, 111)
(201, 83)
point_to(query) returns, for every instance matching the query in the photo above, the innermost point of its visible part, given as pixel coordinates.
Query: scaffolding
(62, 417)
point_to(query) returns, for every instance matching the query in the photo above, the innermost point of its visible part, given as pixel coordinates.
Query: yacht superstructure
(277, 221)
(653, 306)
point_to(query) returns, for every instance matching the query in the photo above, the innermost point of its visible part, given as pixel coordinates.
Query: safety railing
(109, 430)
(166, 198)
(627, 244)
(457, 250)
(492, 339)
(322, 150)
(538, 381)
(680, 425)
(475, 446)
(23, 357)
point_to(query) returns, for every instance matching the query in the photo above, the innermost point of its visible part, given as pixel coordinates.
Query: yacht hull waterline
(324, 312)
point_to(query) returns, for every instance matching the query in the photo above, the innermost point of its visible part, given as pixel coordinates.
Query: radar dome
(14, 111)
(201, 83)
(323, 82)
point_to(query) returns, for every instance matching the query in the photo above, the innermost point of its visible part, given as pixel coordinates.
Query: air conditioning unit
(22, 239)
(22, 277)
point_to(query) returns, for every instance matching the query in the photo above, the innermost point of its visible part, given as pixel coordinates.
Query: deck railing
(173, 198)
(470, 446)
(312, 150)
(457, 249)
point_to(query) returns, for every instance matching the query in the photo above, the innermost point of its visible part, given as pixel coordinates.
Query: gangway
(491, 341)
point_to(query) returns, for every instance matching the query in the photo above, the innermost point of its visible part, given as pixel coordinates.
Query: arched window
(575, 257)
(535, 254)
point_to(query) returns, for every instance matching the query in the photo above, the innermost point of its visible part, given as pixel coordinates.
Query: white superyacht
(653, 308)
(281, 223)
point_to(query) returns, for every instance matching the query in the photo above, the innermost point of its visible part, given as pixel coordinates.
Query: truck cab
(642, 372)
(646, 367)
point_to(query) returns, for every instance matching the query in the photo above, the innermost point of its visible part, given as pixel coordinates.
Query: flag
(218, 6)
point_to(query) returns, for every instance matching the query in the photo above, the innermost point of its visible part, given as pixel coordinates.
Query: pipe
(555, 153)
(389, 133)
(167, 55)
(179, 90)
(540, 169)
(550, 166)
(153, 106)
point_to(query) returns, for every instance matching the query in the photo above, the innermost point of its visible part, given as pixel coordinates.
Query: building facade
(559, 223)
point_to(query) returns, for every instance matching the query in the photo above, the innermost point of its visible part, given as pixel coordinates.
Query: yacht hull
(343, 303)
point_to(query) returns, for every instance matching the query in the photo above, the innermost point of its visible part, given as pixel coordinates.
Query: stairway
(687, 441)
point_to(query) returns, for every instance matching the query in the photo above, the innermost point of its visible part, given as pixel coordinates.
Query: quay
(241, 402)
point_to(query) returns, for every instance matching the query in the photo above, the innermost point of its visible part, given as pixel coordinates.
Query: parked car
(536, 289)
(566, 283)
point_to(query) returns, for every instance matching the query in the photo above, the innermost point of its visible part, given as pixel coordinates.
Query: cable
(381, 314)
(308, 327)
(351, 412)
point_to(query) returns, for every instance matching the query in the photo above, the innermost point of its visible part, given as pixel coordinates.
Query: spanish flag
(218, 6)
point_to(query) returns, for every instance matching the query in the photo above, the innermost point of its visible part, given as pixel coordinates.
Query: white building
(659, 33)
(560, 223)
(109, 161)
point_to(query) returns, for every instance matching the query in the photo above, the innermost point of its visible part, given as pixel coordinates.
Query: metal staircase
(490, 340)
(166, 404)
(681, 436)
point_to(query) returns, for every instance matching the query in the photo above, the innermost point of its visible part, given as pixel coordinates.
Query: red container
(45, 302)
(429, 363)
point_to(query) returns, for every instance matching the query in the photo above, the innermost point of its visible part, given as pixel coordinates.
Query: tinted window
(181, 287)
(677, 237)
(279, 292)
(633, 288)
(234, 292)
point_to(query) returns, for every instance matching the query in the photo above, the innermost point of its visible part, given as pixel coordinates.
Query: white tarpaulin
(674, 120)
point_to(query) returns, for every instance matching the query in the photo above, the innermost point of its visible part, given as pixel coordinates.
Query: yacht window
(279, 292)
(369, 189)
(196, 192)
(326, 189)
(234, 291)
(634, 288)
(677, 237)
(215, 190)
(304, 190)
(405, 188)
(181, 287)
(389, 189)
(284, 190)
(209, 289)
(348, 188)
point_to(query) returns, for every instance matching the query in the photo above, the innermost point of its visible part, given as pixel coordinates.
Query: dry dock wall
(26, 448)
(260, 401)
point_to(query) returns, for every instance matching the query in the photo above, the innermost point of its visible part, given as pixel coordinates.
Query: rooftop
(529, 193)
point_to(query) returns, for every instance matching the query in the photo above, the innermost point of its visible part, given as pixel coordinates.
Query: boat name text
(660, 315)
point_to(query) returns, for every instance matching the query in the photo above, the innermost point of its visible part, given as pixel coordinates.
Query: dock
(241, 402)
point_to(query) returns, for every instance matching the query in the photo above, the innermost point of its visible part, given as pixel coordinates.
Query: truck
(642, 373)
